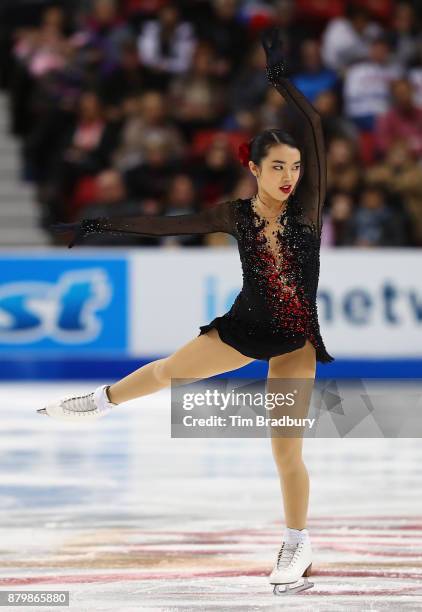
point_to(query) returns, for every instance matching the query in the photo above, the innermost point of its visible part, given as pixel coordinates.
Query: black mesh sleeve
(215, 219)
(312, 188)
(219, 218)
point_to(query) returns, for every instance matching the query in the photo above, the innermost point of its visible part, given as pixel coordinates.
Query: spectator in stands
(129, 78)
(112, 201)
(86, 149)
(402, 122)
(271, 111)
(249, 87)
(147, 122)
(366, 89)
(227, 34)
(197, 98)
(327, 234)
(334, 124)
(39, 54)
(294, 31)
(346, 39)
(341, 211)
(216, 173)
(244, 122)
(374, 223)
(129, 150)
(181, 199)
(151, 178)
(313, 77)
(401, 173)
(43, 50)
(106, 30)
(405, 34)
(167, 43)
(343, 167)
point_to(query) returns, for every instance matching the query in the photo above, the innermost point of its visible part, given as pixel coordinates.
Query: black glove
(272, 42)
(80, 229)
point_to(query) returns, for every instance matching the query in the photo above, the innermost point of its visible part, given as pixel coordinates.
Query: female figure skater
(274, 317)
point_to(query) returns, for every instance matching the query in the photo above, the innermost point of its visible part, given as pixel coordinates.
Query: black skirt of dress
(250, 345)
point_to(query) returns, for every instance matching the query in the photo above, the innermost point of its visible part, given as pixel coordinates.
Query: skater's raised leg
(204, 356)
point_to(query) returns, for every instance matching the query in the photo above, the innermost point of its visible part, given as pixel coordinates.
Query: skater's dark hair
(262, 143)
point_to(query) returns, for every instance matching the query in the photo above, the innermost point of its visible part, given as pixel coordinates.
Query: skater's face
(278, 172)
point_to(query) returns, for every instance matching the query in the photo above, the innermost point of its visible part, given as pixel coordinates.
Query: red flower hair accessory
(244, 153)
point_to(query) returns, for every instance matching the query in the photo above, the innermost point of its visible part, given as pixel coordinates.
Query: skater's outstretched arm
(220, 218)
(311, 190)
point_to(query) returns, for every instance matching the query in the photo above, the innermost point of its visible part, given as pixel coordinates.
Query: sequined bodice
(280, 264)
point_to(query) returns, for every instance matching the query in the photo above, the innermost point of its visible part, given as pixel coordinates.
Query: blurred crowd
(138, 107)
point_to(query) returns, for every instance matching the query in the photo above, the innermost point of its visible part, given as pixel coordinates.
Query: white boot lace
(287, 554)
(82, 404)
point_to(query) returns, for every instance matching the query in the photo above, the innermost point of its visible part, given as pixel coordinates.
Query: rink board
(73, 314)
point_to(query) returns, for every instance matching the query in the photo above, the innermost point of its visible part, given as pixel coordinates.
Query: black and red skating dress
(276, 310)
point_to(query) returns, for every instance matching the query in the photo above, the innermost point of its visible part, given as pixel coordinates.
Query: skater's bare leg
(204, 356)
(287, 451)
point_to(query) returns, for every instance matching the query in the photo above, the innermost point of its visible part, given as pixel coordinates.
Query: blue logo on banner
(75, 305)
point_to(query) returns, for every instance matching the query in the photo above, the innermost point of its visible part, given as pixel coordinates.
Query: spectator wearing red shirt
(402, 122)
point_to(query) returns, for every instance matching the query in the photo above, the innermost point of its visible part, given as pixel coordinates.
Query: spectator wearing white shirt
(167, 44)
(346, 39)
(366, 88)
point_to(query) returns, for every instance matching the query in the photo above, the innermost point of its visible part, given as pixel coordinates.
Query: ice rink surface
(124, 517)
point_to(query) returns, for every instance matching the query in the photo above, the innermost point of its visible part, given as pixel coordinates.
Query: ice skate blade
(65, 418)
(286, 589)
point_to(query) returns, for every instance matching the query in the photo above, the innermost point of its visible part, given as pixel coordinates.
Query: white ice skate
(80, 408)
(294, 563)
